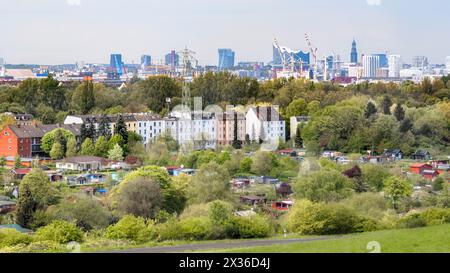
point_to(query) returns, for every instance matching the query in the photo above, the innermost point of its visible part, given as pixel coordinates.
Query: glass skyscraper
(116, 67)
(172, 59)
(226, 58)
(146, 60)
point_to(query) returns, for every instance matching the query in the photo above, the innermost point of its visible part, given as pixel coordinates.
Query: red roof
(173, 167)
(22, 171)
(419, 165)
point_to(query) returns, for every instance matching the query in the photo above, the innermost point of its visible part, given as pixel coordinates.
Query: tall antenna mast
(187, 61)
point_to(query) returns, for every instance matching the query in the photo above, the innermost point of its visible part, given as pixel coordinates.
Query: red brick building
(25, 140)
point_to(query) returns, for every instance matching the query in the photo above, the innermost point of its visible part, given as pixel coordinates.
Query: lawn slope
(434, 239)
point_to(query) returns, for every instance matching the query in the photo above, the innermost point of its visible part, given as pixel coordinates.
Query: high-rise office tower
(395, 65)
(371, 63)
(146, 60)
(384, 63)
(116, 65)
(354, 53)
(226, 58)
(172, 59)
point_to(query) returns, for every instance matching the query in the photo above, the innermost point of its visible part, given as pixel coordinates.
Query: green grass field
(434, 239)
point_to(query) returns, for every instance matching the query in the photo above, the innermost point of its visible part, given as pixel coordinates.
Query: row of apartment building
(205, 130)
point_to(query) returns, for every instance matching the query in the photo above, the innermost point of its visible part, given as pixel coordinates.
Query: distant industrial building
(226, 58)
(172, 59)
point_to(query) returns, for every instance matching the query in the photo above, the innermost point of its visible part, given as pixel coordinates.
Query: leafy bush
(130, 228)
(11, 237)
(248, 227)
(323, 219)
(413, 220)
(429, 217)
(169, 230)
(199, 228)
(436, 216)
(61, 232)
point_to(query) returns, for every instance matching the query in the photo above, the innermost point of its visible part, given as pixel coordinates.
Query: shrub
(413, 220)
(130, 228)
(199, 228)
(436, 216)
(169, 230)
(248, 227)
(11, 237)
(324, 219)
(61, 232)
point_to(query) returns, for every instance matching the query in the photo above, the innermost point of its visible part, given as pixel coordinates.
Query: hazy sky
(67, 31)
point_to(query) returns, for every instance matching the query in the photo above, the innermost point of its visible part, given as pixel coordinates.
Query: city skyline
(69, 31)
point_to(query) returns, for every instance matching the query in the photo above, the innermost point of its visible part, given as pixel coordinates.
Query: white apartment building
(371, 63)
(266, 121)
(395, 66)
(196, 128)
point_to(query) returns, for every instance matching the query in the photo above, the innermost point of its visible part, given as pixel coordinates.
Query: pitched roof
(38, 131)
(82, 159)
(267, 113)
(419, 165)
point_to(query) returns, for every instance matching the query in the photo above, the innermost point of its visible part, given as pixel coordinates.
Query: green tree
(17, 162)
(323, 186)
(237, 143)
(212, 182)
(298, 138)
(101, 147)
(87, 97)
(35, 193)
(158, 154)
(87, 147)
(140, 197)
(71, 147)
(115, 139)
(116, 153)
(262, 163)
(395, 189)
(174, 197)
(399, 113)
(374, 176)
(86, 212)
(104, 128)
(121, 130)
(297, 107)
(438, 183)
(2, 162)
(57, 135)
(370, 110)
(57, 151)
(386, 104)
